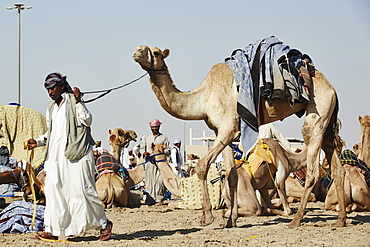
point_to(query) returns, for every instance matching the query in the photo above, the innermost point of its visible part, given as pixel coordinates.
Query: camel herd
(215, 102)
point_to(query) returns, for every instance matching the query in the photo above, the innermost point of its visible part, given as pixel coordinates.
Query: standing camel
(215, 102)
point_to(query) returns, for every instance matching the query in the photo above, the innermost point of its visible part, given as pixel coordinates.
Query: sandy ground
(162, 226)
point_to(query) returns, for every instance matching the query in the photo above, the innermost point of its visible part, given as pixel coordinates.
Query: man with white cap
(156, 191)
(176, 159)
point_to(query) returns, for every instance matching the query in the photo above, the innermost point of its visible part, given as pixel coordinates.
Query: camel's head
(150, 58)
(365, 120)
(158, 148)
(121, 137)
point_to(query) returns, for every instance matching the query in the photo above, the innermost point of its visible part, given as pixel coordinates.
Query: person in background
(176, 159)
(72, 203)
(156, 191)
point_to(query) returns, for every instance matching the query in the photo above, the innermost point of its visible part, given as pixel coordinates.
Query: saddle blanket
(261, 153)
(266, 68)
(17, 218)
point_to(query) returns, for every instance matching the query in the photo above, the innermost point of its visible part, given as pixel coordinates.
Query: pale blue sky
(92, 43)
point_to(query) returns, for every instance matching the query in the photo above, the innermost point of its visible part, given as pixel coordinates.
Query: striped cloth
(17, 218)
(107, 161)
(350, 158)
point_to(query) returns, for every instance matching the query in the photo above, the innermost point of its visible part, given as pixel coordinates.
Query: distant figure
(127, 157)
(176, 159)
(156, 191)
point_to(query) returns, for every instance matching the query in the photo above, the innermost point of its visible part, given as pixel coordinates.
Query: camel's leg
(313, 133)
(281, 176)
(338, 177)
(232, 178)
(202, 168)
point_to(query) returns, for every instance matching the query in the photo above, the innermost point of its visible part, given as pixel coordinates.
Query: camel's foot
(207, 219)
(339, 223)
(228, 224)
(352, 208)
(277, 212)
(294, 223)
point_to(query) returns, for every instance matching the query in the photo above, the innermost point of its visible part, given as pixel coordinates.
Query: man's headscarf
(155, 122)
(56, 78)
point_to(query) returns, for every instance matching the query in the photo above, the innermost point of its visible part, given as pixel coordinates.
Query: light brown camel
(267, 177)
(215, 102)
(118, 139)
(364, 150)
(112, 190)
(356, 191)
(170, 179)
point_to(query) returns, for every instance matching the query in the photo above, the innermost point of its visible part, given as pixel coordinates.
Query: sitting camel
(118, 139)
(215, 102)
(111, 184)
(356, 185)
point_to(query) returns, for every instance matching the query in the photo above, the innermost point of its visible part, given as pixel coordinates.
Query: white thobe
(125, 158)
(72, 203)
(176, 162)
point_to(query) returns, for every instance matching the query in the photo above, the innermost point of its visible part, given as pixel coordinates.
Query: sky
(92, 43)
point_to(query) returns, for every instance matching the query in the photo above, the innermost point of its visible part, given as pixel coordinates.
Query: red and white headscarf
(155, 122)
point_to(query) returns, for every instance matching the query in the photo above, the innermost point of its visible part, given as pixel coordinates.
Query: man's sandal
(45, 235)
(106, 233)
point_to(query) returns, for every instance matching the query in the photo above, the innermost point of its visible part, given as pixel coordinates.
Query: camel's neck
(364, 154)
(183, 105)
(116, 152)
(298, 160)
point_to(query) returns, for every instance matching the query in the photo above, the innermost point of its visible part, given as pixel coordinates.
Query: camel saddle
(259, 154)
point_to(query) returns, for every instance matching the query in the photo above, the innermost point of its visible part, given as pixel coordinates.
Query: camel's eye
(156, 53)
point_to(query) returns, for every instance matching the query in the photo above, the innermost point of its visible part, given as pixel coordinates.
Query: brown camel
(266, 178)
(215, 102)
(170, 179)
(356, 192)
(118, 139)
(112, 190)
(18, 176)
(364, 147)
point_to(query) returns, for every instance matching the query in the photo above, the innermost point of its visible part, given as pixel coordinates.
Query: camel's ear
(166, 53)
(359, 118)
(110, 131)
(153, 145)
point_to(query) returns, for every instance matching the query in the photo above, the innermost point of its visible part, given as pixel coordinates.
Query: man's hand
(77, 94)
(31, 143)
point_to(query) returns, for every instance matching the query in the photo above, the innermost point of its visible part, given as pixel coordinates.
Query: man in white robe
(72, 203)
(176, 159)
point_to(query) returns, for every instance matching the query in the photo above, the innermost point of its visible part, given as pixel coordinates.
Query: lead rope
(34, 180)
(30, 154)
(107, 91)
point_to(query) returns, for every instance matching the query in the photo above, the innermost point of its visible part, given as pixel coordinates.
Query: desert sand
(162, 226)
